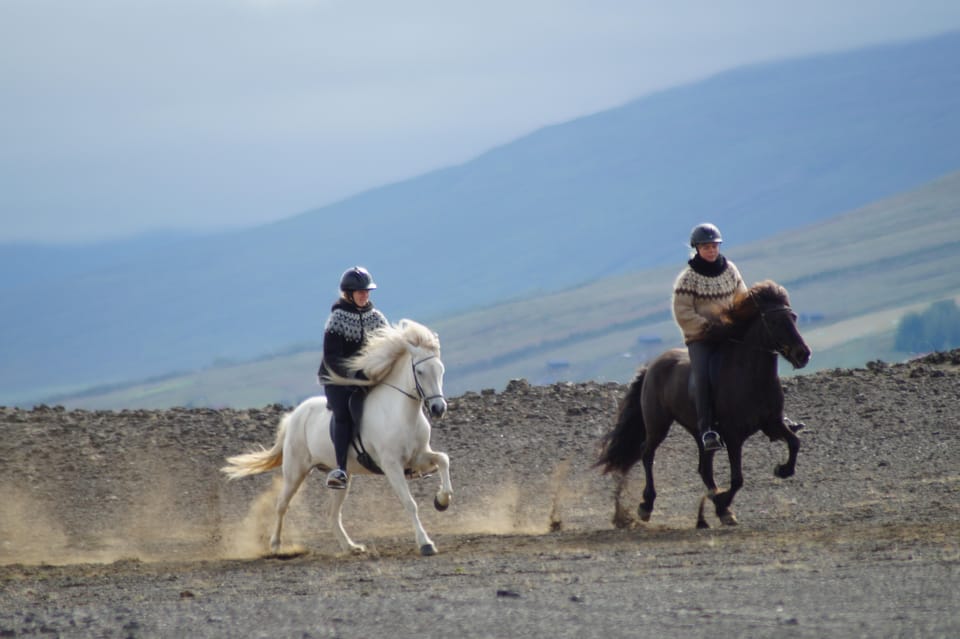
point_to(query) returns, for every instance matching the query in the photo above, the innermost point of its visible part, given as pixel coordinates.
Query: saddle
(355, 404)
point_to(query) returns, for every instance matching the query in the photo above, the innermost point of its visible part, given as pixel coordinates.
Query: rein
(763, 319)
(778, 348)
(421, 395)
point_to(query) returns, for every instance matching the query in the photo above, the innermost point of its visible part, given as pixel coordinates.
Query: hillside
(758, 150)
(850, 278)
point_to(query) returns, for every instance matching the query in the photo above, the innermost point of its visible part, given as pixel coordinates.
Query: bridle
(778, 347)
(421, 395)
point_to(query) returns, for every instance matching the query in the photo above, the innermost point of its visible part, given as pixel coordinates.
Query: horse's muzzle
(438, 407)
(798, 355)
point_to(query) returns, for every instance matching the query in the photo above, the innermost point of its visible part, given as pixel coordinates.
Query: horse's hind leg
(394, 473)
(292, 479)
(657, 430)
(621, 516)
(336, 520)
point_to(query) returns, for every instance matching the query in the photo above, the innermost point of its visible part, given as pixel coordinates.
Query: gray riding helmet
(703, 233)
(357, 279)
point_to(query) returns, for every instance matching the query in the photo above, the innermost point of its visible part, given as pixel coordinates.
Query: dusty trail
(119, 524)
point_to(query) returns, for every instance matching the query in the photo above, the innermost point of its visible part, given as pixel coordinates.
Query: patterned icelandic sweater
(345, 333)
(701, 293)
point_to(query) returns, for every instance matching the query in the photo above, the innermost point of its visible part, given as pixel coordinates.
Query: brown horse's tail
(623, 445)
(258, 461)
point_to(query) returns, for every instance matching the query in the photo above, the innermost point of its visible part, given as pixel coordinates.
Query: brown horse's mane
(761, 296)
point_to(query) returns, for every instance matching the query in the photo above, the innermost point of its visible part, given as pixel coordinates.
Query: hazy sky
(122, 116)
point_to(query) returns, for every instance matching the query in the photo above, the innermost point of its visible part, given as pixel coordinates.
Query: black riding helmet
(704, 233)
(357, 279)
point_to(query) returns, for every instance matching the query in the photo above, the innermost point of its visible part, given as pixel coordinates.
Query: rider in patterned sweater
(710, 284)
(352, 318)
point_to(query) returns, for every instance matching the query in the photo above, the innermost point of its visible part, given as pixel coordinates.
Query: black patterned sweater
(346, 331)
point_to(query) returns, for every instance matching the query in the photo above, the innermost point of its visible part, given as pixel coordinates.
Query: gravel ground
(119, 524)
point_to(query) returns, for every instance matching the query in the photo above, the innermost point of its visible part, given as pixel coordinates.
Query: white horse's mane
(388, 344)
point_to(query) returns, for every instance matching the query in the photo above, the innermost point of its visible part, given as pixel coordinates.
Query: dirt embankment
(120, 524)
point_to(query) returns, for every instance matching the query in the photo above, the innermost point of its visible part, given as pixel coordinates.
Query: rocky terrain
(119, 524)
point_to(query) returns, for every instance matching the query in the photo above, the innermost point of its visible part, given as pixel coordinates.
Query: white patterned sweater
(698, 298)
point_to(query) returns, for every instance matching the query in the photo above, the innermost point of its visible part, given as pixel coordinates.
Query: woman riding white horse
(352, 318)
(405, 372)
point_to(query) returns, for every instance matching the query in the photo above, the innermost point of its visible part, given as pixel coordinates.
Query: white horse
(403, 365)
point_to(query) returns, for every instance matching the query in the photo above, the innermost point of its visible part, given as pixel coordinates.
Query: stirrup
(336, 479)
(711, 441)
(796, 427)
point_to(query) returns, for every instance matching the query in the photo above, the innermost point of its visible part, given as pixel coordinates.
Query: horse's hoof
(702, 523)
(622, 519)
(782, 472)
(643, 513)
(428, 550)
(439, 506)
(729, 519)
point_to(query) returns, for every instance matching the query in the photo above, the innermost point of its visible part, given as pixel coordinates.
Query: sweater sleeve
(685, 313)
(334, 346)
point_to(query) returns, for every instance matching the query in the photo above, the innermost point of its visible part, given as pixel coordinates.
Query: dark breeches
(338, 399)
(700, 354)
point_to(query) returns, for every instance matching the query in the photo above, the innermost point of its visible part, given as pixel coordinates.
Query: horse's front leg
(793, 447)
(705, 468)
(724, 500)
(394, 472)
(444, 496)
(336, 520)
(785, 429)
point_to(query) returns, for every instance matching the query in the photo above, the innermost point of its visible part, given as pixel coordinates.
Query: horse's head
(424, 348)
(768, 305)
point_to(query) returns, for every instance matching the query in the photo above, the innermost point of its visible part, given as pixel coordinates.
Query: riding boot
(342, 433)
(700, 371)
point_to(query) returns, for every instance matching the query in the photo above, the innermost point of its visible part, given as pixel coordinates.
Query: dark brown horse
(747, 398)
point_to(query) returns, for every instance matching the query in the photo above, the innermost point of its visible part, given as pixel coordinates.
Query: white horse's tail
(258, 461)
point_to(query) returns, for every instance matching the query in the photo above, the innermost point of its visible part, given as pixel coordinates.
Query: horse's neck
(753, 355)
(401, 375)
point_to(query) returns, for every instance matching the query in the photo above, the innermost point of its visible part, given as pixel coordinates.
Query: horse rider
(708, 285)
(352, 318)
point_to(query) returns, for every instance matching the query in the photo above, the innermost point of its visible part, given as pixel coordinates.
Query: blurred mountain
(758, 150)
(851, 279)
